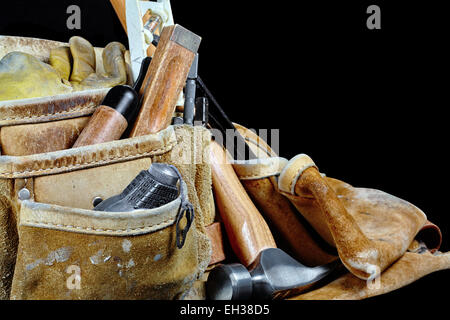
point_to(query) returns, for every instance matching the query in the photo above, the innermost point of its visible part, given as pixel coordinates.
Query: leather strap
(259, 168)
(292, 172)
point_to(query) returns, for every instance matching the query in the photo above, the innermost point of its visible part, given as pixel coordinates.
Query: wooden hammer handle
(165, 79)
(120, 9)
(247, 231)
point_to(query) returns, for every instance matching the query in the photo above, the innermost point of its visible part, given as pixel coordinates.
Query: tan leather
(62, 185)
(112, 251)
(27, 139)
(46, 109)
(88, 157)
(370, 228)
(259, 179)
(69, 188)
(409, 268)
(39, 48)
(431, 235)
(8, 237)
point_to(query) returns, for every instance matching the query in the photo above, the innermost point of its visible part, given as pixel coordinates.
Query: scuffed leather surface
(39, 48)
(44, 109)
(27, 139)
(409, 268)
(259, 180)
(389, 222)
(77, 189)
(147, 266)
(8, 238)
(175, 271)
(88, 156)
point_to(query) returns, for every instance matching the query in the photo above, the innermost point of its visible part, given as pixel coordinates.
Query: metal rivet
(96, 201)
(24, 194)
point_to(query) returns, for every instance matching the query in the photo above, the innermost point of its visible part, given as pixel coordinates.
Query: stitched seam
(153, 152)
(49, 224)
(92, 105)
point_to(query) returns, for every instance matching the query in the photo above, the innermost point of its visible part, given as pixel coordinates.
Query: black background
(367, 105)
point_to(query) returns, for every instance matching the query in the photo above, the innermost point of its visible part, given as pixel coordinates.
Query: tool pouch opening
(50, 234)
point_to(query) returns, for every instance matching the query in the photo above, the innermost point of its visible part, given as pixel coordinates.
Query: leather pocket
(70, 253)
(27, 139)
(63, 184)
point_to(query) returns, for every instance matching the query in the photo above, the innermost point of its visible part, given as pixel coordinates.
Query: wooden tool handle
(106, 124)
(247, 231)
(165, 79)
(120, 9)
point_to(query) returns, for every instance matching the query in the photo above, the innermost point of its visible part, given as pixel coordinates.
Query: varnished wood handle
(165, 79)
(120, 9)
(106, 124)
(247, 231)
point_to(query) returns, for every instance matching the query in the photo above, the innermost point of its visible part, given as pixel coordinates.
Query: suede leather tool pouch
(53, 245)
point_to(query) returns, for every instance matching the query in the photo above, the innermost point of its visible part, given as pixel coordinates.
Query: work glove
(114, 65)
(24, 76)
(71, 68)
(83, 74)
(61, 61)
(83, 55)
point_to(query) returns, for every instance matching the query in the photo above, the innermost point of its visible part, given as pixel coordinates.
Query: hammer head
(273, 273)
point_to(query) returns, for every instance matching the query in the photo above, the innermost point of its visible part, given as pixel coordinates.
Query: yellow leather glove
(83, 75)
(24, 76)
(61, 61)
(114, 65)
(83, 54)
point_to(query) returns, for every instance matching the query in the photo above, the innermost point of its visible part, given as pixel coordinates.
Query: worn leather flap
(89, 156)
(56, 217)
